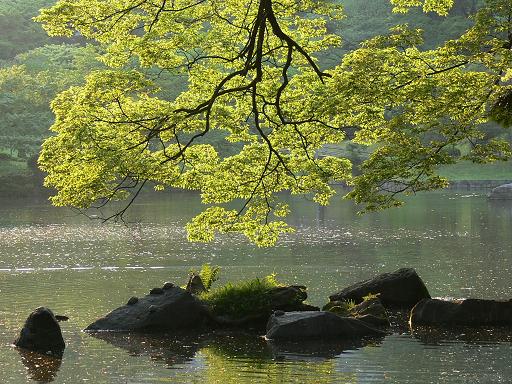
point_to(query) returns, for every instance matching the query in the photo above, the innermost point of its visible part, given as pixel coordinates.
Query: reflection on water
(238, 357)
(181, 347)
(40, 368)
(317, 350)
(171, 349)
(461, 245)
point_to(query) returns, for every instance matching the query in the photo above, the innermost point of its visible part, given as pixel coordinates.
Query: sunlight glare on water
(460, 244)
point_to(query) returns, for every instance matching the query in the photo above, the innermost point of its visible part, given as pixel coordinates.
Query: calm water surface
(460, 244)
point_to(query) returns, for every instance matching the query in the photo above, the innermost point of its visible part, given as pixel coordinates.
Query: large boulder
(400, 289)
(162, 310)
(316, 325)
(501, 192)
(469, 312)
(41, 333)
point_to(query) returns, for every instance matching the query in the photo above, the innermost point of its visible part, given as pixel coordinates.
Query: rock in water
(501, 192)
(41, 333)
(399, 289)
(277, 300)
(172, 309)
(316, 325)
(371, 307)
(371, 312)
(290, 299)
(469, 312)
(195, 285)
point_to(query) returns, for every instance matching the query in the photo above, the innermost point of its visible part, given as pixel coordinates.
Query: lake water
(459, 242)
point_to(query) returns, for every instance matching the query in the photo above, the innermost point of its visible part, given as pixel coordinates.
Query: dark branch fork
(252, 57)
(253, 54)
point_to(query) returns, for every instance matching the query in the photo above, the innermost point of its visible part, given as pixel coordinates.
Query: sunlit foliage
(252, 73)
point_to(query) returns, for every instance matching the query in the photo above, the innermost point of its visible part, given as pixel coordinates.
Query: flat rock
(173, 308)
(469, 312)
(316, 325)
(501, 192)
(400, 289)
(41, 333)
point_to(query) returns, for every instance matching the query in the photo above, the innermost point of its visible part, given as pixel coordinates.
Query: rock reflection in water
(437, 336)
(238, 345)
(181, 348)
(41, 368)
(317, 350)
(242, 358)
(171, 349)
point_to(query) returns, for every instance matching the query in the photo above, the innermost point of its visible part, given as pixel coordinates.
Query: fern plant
(209, 275)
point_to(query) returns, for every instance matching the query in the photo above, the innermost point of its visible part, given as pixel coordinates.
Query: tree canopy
(27, 86)
(19, 32)
(252, 72)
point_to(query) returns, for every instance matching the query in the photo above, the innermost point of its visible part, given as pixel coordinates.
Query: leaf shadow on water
(40, 368)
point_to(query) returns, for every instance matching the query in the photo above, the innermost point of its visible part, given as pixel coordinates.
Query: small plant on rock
(371, 296)
(209, 275)
(245, 298)
(341, 308)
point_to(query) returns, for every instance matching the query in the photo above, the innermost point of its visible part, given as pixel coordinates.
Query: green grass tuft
(371, 296)
(245, 298)
(342, 308)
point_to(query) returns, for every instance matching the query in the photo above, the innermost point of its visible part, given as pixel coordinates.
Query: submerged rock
(400, 289)
(501, 192)
(469, 312)
(42, 333)
(173, 308)
(316, 325)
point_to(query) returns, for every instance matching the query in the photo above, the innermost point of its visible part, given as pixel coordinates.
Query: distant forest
(34, 68)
